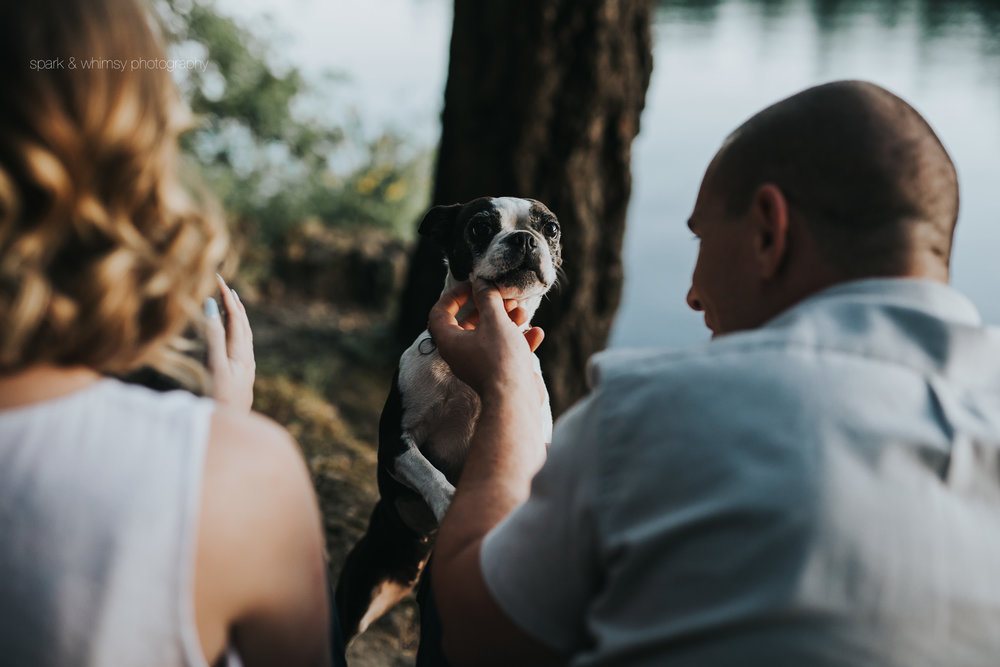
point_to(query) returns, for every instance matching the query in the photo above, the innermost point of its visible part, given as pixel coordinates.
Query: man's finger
(453, 300)
(519, 316)
(443, 316)
(470, 322)
(489, 303)
(534, 336)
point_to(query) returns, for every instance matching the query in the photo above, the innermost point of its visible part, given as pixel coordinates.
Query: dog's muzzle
(522, 262)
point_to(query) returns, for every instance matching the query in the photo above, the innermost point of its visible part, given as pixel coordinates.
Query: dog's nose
(523, 241)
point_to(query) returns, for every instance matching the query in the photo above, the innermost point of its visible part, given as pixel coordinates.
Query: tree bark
(543, 100)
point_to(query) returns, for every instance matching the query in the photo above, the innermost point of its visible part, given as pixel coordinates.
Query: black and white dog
(430, 415)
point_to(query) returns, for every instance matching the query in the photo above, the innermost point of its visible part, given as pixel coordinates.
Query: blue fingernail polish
(234, 293)
(211, 308)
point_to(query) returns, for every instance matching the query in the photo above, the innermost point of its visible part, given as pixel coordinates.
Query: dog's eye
(551, 229)
(479, 230)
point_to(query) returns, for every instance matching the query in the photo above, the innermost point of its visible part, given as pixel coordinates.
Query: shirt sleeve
(540, 563)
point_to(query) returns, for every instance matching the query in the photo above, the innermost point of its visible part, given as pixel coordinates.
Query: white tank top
(99, 497)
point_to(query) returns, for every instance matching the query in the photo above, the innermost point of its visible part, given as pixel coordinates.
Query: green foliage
(267, 160)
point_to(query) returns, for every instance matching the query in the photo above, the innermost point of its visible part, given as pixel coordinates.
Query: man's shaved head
(863, 169)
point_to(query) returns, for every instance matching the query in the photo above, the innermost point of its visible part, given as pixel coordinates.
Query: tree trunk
(543, 100)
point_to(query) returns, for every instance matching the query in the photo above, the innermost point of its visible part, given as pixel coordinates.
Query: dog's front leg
(412, 469)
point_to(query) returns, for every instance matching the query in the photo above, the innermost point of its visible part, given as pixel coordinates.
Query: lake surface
(716, 64)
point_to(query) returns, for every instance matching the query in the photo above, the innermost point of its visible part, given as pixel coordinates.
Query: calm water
(716, 63)
(719, 62)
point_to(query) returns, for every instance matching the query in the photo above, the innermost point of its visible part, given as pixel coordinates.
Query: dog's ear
(439, 223)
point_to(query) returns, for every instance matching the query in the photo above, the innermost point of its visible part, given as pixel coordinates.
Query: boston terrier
(430, 415)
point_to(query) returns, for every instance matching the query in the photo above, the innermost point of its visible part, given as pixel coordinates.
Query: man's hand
(230, 351)
(491, 354)
(487, 350)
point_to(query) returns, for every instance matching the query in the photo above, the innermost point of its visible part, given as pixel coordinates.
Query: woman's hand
(230, 351)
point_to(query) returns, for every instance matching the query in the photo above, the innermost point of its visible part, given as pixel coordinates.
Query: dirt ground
(323, 373)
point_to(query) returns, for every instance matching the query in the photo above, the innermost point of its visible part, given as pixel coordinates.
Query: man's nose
(694, 301)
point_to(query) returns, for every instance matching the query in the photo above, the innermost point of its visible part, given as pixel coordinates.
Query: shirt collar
(929, 296)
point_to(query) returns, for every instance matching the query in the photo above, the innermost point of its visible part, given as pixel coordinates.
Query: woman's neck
(43, 382)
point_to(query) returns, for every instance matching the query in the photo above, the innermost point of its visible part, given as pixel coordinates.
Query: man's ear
(439, 223)
(769, 215)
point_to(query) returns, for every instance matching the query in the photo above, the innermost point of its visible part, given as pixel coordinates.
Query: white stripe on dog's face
(511, 209)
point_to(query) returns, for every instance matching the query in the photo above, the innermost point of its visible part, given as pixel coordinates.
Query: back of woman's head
(104, 259)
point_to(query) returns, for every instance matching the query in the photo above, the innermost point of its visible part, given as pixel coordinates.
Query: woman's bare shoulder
(259, 557)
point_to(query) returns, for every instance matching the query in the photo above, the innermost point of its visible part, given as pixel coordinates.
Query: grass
(323, 373)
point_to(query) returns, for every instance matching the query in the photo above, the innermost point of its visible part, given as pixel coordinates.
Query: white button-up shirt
(824, 490)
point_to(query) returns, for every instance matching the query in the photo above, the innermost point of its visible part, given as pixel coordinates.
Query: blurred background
(321, 122)
(716, 63)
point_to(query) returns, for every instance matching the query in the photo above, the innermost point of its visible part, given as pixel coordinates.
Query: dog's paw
(441, 501)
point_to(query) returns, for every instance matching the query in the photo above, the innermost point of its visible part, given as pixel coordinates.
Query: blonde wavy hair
(105, 258)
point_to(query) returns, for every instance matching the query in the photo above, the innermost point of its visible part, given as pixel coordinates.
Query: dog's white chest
(439, 410)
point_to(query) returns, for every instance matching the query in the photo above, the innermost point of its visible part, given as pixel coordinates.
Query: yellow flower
(396, 190)
(367, 184)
